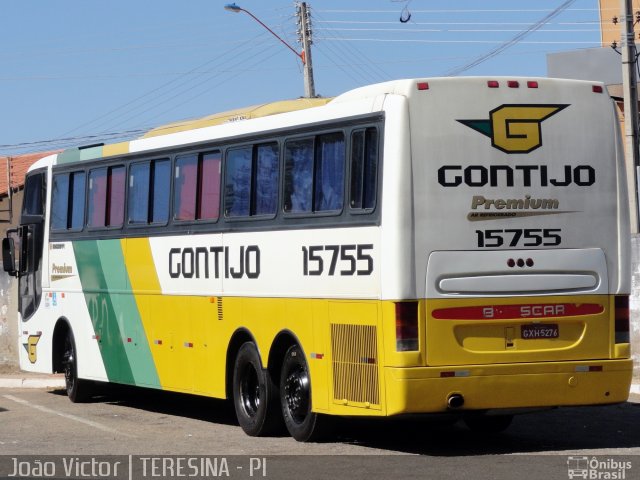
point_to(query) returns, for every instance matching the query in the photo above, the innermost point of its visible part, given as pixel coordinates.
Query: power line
(168, 87)
(517, 39)
(351, 51)
(441, 30)
(418, 40)
(466, 10)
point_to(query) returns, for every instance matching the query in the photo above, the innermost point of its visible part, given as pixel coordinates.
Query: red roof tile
(19, 166)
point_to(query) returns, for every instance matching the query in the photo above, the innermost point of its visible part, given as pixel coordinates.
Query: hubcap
(296, 393)
(68, 360)
(250, 391)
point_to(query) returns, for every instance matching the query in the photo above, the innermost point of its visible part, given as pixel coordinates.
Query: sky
(80, 72)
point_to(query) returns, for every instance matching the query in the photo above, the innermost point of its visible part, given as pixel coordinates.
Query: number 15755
(527, 237)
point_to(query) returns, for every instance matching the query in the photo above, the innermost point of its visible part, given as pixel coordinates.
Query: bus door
(28, 239)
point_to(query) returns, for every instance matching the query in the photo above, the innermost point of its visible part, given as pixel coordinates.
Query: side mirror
(9, 257)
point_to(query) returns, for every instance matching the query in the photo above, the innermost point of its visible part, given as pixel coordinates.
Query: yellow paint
(508, 386)
(246, 113)
(517, 128)
(482, 342)
(32, 342)
(115, 149)
(188, 339)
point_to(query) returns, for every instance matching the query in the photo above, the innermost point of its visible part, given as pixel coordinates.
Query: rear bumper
(549, 384)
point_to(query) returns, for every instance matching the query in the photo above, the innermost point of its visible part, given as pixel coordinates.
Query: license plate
(540, 330)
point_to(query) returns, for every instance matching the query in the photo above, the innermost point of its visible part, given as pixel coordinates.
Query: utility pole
(304, 38)
(630, 89)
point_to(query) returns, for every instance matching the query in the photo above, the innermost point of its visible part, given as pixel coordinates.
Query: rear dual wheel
(255, 395)
(261, 405)
(295, 399)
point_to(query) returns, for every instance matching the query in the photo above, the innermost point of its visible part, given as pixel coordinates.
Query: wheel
(77, 390)
(295, 399)
(488, 423)
(255, 395)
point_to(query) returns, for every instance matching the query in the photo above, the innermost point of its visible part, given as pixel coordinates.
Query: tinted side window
(251, 185)
(238, 182)
(139, 175)
(185, 187)
(60, 201)
(197, 187)
(161, 192)
(149, 184)
(265, 196)
(364, 168)
(329, 173)
(97, 207)
(209, 201)
(68, 195)
(33, 203)
(115, 205)
(106, 197)
(298, 175)
(77, 196)
(314, 174)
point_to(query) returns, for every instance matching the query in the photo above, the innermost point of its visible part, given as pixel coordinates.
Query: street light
(305, 57)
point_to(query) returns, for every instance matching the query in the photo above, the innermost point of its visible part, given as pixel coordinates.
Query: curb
(50, 381)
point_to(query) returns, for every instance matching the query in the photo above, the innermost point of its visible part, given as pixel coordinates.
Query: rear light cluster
(622, 318)
(406, 326)
(511, 263)
(511, 84)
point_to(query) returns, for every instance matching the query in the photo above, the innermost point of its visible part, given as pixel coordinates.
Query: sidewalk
(634, 394)
(14, 378)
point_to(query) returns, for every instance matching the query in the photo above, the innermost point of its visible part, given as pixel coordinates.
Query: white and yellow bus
(417, 246)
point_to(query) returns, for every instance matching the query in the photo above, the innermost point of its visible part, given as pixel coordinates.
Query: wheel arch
(60, 331)
(284, 339)
(239, 337)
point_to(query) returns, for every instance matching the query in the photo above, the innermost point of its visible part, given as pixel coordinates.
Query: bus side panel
(114, 313)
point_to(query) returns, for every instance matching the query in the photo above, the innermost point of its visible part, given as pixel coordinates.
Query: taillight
(622, 318)
(406, 326)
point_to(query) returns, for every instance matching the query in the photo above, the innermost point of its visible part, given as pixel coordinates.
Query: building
(12, 173)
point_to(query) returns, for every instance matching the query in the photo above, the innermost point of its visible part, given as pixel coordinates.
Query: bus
(423, 246)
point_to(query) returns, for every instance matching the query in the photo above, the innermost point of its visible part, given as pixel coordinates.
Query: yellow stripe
(178, 328)
(115, 149)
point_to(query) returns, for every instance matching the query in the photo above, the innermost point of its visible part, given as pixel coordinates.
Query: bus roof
(245, 113)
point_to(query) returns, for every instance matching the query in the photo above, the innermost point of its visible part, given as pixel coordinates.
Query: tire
(295, 399)
(255, 395)
(78, 390)
(488, 423)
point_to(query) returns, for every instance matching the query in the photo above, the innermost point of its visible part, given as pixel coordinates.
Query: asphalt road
(131, 421)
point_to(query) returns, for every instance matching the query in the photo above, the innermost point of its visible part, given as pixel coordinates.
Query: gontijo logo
(515, 128)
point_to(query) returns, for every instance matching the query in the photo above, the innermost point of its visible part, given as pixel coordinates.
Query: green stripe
(91, 153)
(69, 156)
(79, 154)
(114, 316)
(128, 317)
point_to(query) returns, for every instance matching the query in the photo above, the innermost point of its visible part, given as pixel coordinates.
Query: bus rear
(520, 248)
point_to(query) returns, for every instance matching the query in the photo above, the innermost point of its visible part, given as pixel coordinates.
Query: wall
(635, 306)
(9, 298)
